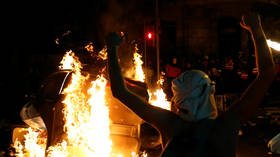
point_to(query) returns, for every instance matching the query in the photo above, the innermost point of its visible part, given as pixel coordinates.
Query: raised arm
(254, 94)
(161, 119)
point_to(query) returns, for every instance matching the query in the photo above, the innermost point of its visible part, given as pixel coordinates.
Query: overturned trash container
(126, 126)
(44, 112)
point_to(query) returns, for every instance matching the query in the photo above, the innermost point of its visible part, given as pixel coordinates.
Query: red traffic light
(149, 35)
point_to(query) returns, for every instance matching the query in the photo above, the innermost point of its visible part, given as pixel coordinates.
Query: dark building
(212, 26)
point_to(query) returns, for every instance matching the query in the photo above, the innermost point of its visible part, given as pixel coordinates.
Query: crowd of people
(231, 74)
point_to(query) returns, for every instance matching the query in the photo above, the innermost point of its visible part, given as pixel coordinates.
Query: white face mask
(192, 92)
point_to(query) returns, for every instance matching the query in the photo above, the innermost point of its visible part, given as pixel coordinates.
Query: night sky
(29, 29)
(37, 24)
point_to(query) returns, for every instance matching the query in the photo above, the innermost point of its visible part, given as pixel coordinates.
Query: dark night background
(29, 28)
(28, 31)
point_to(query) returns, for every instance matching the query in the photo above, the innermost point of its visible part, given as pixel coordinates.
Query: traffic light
(149, 35)
(150, 38)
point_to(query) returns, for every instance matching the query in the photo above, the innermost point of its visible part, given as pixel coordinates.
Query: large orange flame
(86, 120)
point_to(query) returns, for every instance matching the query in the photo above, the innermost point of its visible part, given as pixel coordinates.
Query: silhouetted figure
(182, 138)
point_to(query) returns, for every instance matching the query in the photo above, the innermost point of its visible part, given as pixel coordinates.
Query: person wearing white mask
(193, 128)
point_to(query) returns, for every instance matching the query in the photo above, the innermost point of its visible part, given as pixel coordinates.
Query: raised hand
(113, 39)
(250, 21)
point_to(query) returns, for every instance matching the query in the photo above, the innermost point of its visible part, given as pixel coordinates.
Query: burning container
(45, 112)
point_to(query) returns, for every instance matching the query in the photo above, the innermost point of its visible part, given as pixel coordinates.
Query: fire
(86, 120)
(70, 61)
(102, 54)
(86, 116)
(137, 72)
(273, 44)
(89, 47)
(59, 150)
(158, 98)
(100, 119)
(32, 143)
(32, 146)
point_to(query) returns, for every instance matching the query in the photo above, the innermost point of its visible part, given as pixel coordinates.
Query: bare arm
(254, 94)
(163, 120)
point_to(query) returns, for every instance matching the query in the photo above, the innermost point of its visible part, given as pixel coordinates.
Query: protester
(171, 70)
(179, 135)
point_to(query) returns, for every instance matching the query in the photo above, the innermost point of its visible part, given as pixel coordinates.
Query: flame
(136, 73)
(32, 146)
(102, 54)
(158, 97)
(59, 150)
(89, 47)
(139, 74)
(273, 44)
(100, 119)
(86, 120)
(70, 61)
(17, 145)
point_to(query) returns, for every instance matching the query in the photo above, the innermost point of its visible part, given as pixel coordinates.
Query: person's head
(193, 96)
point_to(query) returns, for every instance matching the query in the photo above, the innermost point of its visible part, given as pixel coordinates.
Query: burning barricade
(75, 114)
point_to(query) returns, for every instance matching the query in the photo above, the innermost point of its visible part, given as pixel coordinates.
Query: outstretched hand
(113, 39)
(250, 20)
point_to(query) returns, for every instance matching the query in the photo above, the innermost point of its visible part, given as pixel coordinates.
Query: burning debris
(136, 72)
(84, 119)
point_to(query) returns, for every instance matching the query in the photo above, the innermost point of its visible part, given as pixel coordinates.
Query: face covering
(193, 96)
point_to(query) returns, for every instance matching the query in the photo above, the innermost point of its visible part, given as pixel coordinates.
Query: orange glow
(136, 72)
(158, 98)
